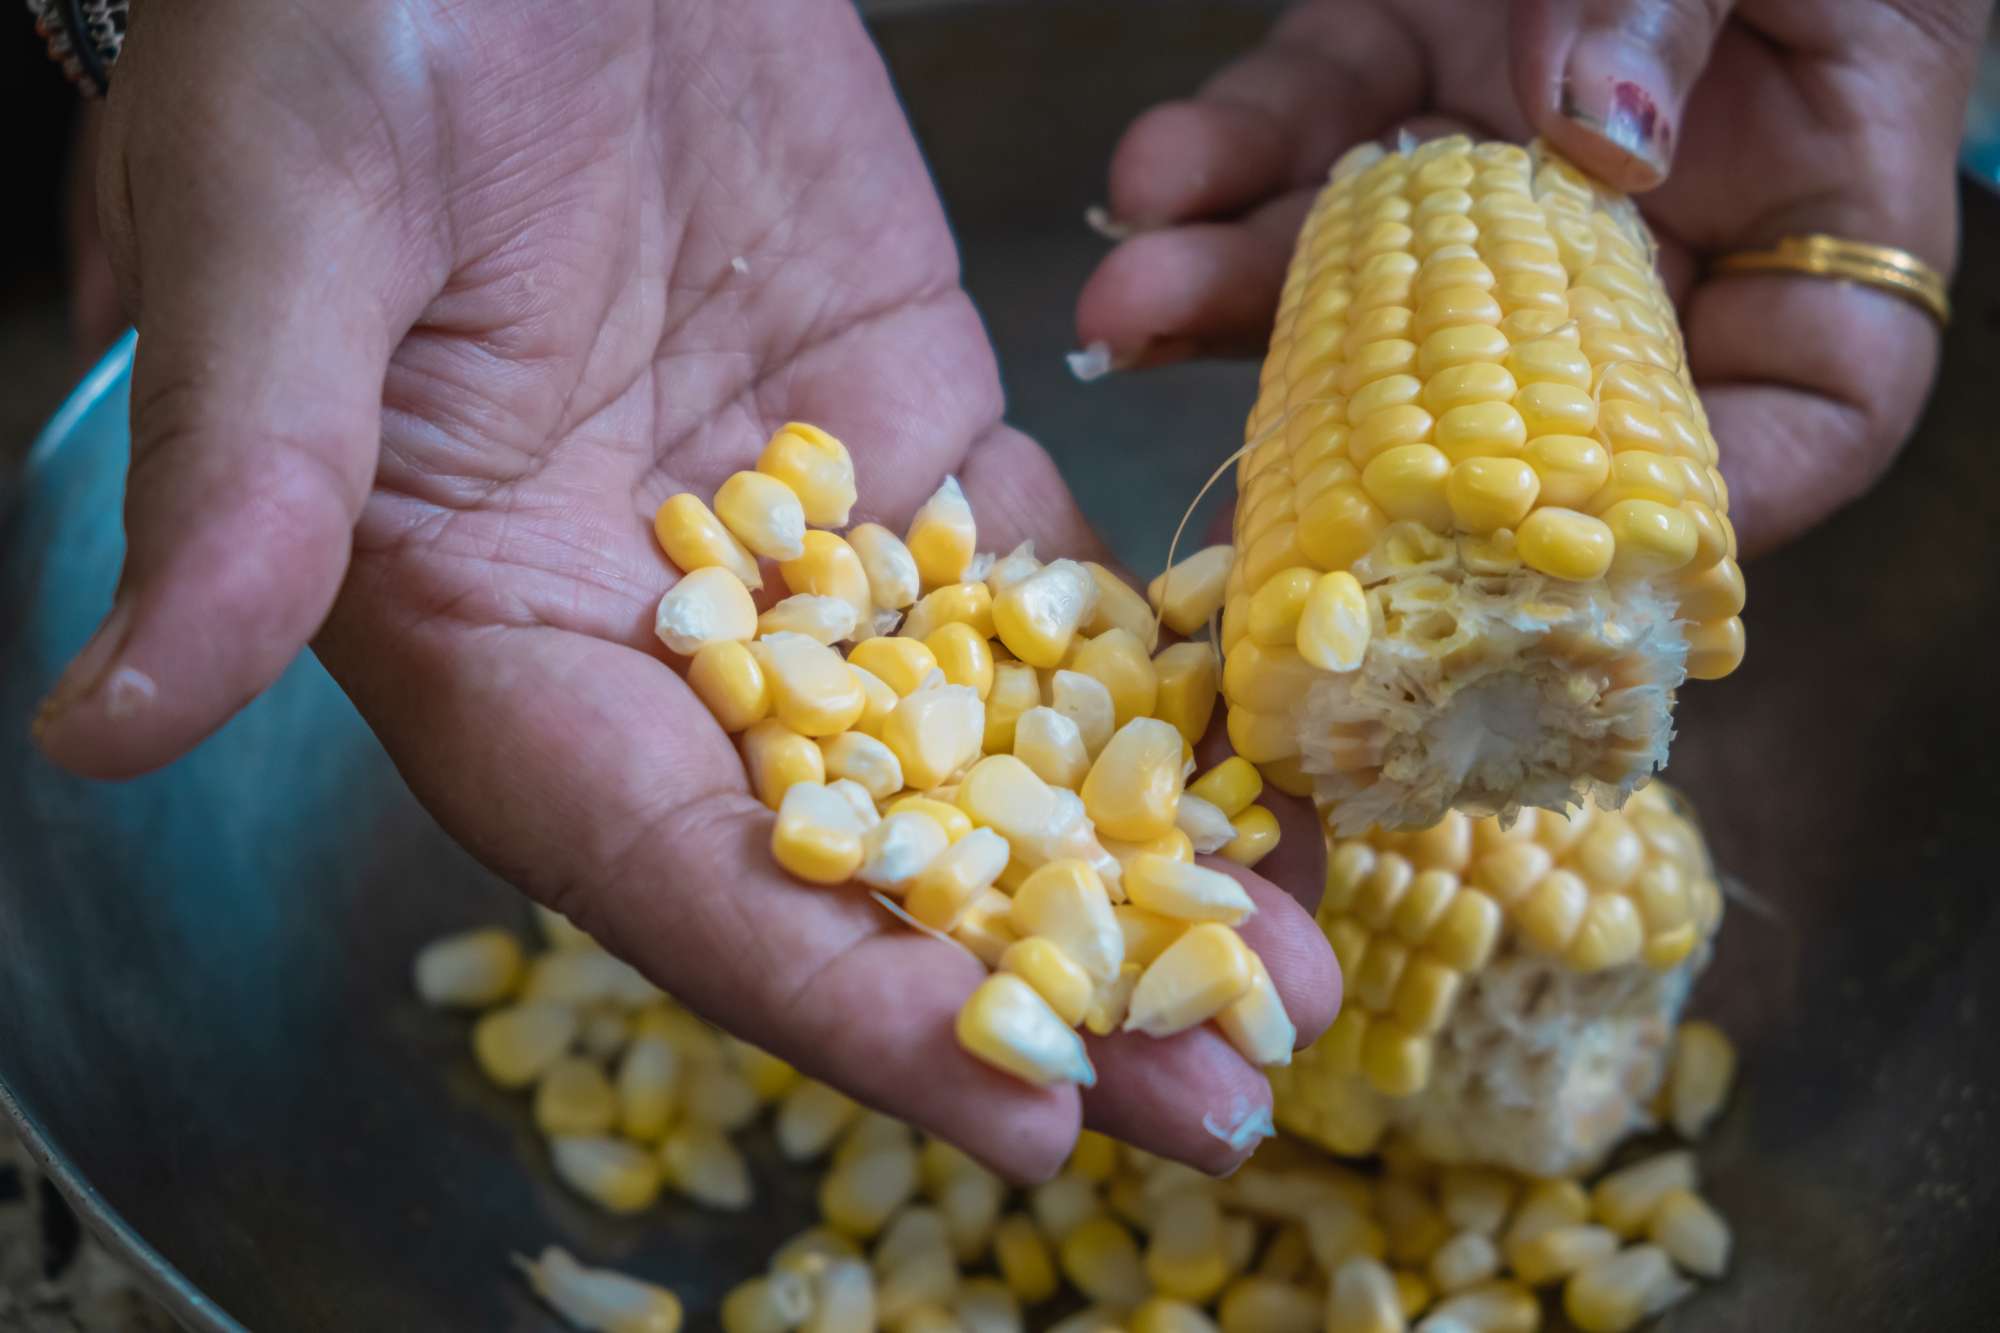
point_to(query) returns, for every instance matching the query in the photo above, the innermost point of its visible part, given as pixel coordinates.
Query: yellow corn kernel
(967, 603)
(828, 567)
(1186, 892)
(1651, 538)
(1007, 1025)
(1615, 1294)
(843, 1299)
(945, 890)
(1101, 1260)
(1276, 607)
(1117, 659)
(726, 678)
(1565, 544)
(1257, 835)
(1610, 934)
(1704, 1066)
(1257, 1024)
(1692, 1233)
(699, 1161)
(1469, 1257)
(1545, 1205)
(1056, 977)
(900, 663)
(1261, 737)
(1487, 494)
(1016, 689)
(1408, 482)
(1119, 606)
(1023, 1258)
(964, 657)
(1266, 680)
(470, 970)
(1051, 745)
(647, 1083)
(1187, 682)
(878, 701)
(1498, 1306)
(955, 822)
(818, 835)
(1066, 902)
(514, 1045)
(942, 535)
(1363, 1298)
(1084, 700)
(1147, 934)
(1338, 526)
(935, 734)
(1266, 1305)
(1189, 594)
(1480, 430)
(1230, 786)
(1412, 1293)
(1554, 1252)
(858, 1196)
(816, 467)
(898, 849)
(617, 1176)
(1185, 1258)
(574, 1097)
(1715, 647)
(1335, 626)
(1161, 1314)
(825, 620)
(719, 1095)
(1194, 979)
(777, 1303)
(1626, 1199)
(1038, 617)
(598, 1299)
(708, 605)
(1716, 593)
(761, 512)
(779, 757)
(862, 759)
(694, 538)
(812, 691)
(1570, 469)
(893, 580)
(1135, 783)
(984, 929)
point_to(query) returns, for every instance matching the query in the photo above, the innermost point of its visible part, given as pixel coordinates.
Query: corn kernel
(1554, 1252)
(942, 535)
(470, 970)
(1715, 647)
(825, 620)
(1007, 1025)
(726, 678)
(1692, 1233)
(1565, 544)
(1467, 1258)
(1056, 977)
(514, 1045)
(810, 1117)
(858, 1196)
(1499, 1306)
(967, 603)
(1363, 1299)
(1256, 1024)
(574, 1097)
(777, 1303)
(899, 848)
(647, 1083)
(812, 691)
(1023, 1258)
(1084, 700)
(1119, 606)
(945, 889)
(708, 605)
(935, 733)
(1051, 745)
(1626, 1199)
(1266, 680)
(598, 1299)
(1101, 1260)
(1651, 538)
(843, 1299)
(1186, 892)
(1185, 1258)
(779, 757)
(1192, 590)
(893, 580)
(617, 1176)
(1135, 782)
(1256, 836)
(827, 566)
(1195, 978)
(1187, 681)
(1276, 607)
(1610, 934)
(1016, 689)
(1615, 1294)
(1230, 786)
(1038, 617)
(1117, 659)
(1065, 902)
(863, 759)
(1487, 494)
(1704, 1066)
(1335, 627)
(818, 835)
(816, 467)
(761, 512)
(964, 657)
(695, 539)
(699, 1161)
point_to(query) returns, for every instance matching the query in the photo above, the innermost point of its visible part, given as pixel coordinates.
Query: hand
(1777, 116)
(437, 304)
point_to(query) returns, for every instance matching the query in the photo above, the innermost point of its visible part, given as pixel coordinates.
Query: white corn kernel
(470, 970)
(898, 849)
(705, 606)
(597, 1299)
(864, 760)
(811, 1116)
(1204, 823)
(617, 1176)
(1257, 1024)
(699, 1161)
(843, 1299)
(893, 580)
(1049, 743)
(825, 620)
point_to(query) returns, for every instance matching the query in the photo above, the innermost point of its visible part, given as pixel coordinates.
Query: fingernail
(92, 668)
(1617, 106)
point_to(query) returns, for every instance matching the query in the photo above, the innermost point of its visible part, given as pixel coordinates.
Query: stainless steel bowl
(205, 1022)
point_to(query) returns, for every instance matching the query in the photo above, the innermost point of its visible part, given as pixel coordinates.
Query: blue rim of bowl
(166, 1284)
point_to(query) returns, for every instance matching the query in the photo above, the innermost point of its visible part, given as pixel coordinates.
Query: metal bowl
(206, 1028)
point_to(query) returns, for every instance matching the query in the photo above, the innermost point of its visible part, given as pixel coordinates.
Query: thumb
(264, 335)
(1605, 81)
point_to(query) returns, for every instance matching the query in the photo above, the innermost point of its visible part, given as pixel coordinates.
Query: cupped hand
(1775, 116)
(437, 302)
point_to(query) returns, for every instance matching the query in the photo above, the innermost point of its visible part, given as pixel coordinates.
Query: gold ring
(1884, 267)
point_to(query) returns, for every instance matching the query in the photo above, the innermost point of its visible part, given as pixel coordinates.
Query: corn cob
(1480, 534)
(1511, 992)
(1001, 759)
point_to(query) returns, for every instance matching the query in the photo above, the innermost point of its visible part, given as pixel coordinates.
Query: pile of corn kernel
(1000, 756)
(638, 1097)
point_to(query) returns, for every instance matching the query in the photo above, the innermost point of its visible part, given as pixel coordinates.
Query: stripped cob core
(1476, 403)
(1511, 993)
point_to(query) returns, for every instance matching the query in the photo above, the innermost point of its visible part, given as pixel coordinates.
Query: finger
(1605, 81)
(1326, 77)
(1192, 1097)
(1810, 388)
(1211, 288)
(269, 310)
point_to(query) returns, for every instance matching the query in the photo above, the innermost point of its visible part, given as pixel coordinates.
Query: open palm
(437, 303)
(1792, 116)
